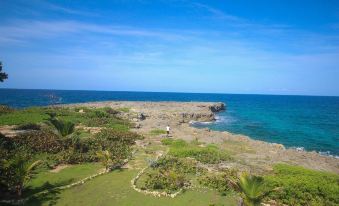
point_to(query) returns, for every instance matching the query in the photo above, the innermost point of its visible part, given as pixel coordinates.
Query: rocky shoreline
(257, 156)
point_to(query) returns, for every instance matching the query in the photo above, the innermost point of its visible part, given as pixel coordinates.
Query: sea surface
(303, 122)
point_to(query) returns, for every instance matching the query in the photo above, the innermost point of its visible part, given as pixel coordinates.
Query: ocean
(303, 122)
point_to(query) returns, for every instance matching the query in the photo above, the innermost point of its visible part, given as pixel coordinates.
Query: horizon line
(173, 92)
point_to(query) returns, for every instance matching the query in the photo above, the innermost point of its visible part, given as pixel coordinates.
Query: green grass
(300, 186)
(19, 117)
(156, 132)
(115, 189)
(203, 153)
(91, 117)
(124, 109)
(48, 180)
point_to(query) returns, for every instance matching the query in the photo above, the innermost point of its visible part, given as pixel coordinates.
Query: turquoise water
(294, 121)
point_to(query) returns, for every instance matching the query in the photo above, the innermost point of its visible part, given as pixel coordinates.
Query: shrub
(300, 186)
(171, 173)
(186, 166)
(166, 180)
(117, 143)
(5, 109)
(223, 182)
(111, 111)
(39, 141)
(73, 156)
(28, 126)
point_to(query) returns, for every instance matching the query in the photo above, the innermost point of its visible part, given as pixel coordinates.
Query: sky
(244, 47)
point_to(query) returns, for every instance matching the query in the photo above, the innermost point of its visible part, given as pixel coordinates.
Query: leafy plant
(5, 109)
(223, 182)
(169, 180)
(64, 128)
(28, 126)
(252, 188)
(19, 172)
(39, 141)
(106, 159)
(118, 143)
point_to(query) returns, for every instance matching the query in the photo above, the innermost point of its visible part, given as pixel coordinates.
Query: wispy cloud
(217, 13)
(21, 30)
(58, 8)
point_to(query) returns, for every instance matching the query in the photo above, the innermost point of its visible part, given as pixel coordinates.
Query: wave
(225, 119)
(326, 153)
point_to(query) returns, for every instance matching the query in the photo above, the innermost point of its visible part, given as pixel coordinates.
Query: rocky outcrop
(201, 117)
(217, 107)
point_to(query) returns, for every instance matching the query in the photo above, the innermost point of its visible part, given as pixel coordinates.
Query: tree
(106, 160)
(252, 188)
(19, 172)
(64, 128)
(3, 75)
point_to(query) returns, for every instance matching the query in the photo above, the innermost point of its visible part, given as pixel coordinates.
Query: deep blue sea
(310, 122)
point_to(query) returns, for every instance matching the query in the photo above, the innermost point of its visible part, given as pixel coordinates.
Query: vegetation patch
(4, 109)
(170, 174)
(156, 132)
(124, 109)
(209, 154)
(50, 139)
(28, 126)
(300, 186)
(222, 181)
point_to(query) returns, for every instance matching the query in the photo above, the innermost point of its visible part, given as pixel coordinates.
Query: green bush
(300, 186)
(5, 109)
(39, 141)
(166, 180)
(171, 173)
(118, 143)
(185, 166)
(28, 126)
(220, 181)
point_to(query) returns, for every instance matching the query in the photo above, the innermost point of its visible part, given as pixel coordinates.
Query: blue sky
(253, 47)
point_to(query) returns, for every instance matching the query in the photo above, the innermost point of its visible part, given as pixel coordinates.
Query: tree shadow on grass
(49, 198)
(46, 186)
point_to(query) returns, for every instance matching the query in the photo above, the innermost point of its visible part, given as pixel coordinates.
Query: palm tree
(252, 188)
(106, 160)
(19, 172)
(64, 128)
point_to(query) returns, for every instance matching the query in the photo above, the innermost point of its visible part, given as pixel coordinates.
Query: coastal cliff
(250, 154)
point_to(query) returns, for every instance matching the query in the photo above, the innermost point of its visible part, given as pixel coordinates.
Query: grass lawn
(92, 117)
(115, 189)
(48, 180)
(31, 115)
